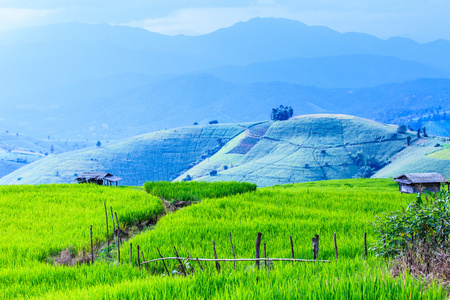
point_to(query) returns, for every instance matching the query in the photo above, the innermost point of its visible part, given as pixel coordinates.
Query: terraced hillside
(304, 148)
(424, 155)
(156, 156)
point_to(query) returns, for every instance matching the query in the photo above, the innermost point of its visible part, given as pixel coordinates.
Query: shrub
(424, 223)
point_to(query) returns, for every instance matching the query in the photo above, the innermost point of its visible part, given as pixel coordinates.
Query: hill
(305, 148)
(17, 150)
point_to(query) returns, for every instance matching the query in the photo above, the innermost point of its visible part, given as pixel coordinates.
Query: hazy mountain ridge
(108, 82)
(304, 148)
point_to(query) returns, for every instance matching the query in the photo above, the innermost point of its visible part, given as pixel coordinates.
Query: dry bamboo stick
(165, 267)
(237, 259)
(92, 248)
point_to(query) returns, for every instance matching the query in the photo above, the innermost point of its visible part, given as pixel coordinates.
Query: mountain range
(105, 82)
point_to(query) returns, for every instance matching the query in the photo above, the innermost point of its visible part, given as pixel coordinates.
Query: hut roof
(99, 176)
(417, 178)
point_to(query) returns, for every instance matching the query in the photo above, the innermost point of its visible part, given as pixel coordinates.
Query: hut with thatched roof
(99, 178)
(418, 182)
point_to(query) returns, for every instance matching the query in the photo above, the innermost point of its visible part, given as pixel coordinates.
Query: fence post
(257, 247)
(335, 247)
(315, 245)
(292, 248)
(131, 254)
(165, 267)
(215, 256)
(179, 261)
(107, 233)
(365, 245)
(139, 259)
(114, 227)
(92, 248)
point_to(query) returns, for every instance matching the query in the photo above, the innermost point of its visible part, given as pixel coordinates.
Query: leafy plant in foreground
(425, 221)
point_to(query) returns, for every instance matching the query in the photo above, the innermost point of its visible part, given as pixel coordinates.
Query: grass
(300, 210)
(441, 154)
(196, 191)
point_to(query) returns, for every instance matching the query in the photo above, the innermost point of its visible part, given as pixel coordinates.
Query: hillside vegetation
(305, 148)
(344, 207)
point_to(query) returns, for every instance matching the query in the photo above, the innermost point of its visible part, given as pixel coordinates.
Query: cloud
(423, 19)
(21, 17)
(196, 21)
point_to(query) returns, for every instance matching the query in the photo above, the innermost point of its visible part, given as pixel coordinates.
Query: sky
(421, 20)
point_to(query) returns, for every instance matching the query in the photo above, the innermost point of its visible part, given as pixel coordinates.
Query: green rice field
(41, 221)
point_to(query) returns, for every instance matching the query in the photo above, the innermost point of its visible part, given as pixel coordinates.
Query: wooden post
(114, 227)
(117, 220)
(265, 262)
(165, 267)
(131, 254)
(201, 267)
(365, 245)
(257, 247)
(232, 251)
(118, 236)
(107, 233)
(139, 259)
(292, 248)
(215, 256)
(118, 250)
(335, 247)
(179, 261)
(92, 248)
(315, 245)
(143, 258)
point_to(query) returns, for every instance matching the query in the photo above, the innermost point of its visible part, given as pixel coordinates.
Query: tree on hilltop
(401, 129)
(281, 113)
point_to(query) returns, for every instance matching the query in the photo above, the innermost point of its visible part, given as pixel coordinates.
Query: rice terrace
(224, 149)
(46, 220)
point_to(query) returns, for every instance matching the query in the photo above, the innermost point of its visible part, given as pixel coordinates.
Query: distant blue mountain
(101, 81)
(183, 100)
(351, 71)
(53, 55)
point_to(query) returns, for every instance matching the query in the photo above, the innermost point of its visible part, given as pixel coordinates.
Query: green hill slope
(156, 156)
(422, 156)
(305, 148)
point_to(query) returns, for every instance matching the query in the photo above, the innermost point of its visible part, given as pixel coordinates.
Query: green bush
(424, 222)
(196, 190)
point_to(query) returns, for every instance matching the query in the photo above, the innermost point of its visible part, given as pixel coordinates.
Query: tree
(408, 140)
(282, 113)
(52, 149)
(424, 130)
(401, 129)
(418, 133)
(98, 144)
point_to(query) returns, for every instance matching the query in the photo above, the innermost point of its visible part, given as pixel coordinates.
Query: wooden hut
(417, 182)
(99, 178)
